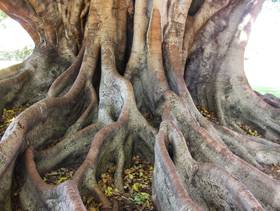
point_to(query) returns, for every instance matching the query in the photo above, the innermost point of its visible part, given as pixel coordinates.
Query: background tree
(3, 16)
(109, 79)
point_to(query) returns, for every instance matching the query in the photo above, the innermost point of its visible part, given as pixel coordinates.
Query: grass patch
(272, 90)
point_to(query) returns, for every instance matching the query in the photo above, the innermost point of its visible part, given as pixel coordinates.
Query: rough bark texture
(109, 79)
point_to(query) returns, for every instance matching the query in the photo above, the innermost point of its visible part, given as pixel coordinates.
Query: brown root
(95, 115)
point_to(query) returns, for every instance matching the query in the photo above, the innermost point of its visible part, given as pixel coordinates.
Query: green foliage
(141, 198)
(16, 55)
(2, 16)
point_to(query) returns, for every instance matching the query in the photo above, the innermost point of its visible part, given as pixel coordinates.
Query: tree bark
(109, 79)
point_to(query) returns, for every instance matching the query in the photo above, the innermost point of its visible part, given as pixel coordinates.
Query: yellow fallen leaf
(109, 191)
(136, 187)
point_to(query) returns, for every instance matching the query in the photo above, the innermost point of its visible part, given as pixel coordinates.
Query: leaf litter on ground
(137, 182)
(137, 179)
(8, 116)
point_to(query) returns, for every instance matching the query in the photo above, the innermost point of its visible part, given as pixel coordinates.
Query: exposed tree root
(61, 197)
(204, 148)
(252, 149)
(198, 164)
(271, 100)
(231, 98)
(24, 130)
(225, 192)
(28, 82)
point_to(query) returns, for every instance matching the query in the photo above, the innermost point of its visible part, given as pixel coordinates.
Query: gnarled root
(107, 137)
(28, 82)
(37, 195)
(36, 126)
(198, 165)
(270, 99)
(209, 185)
(229, 96)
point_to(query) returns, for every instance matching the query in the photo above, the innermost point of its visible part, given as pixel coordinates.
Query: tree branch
(24, 14)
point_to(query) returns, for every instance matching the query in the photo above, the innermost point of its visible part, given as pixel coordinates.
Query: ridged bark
(109, 79)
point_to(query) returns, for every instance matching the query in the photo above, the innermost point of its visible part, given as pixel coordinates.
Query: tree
(108, 79)
(2, 16)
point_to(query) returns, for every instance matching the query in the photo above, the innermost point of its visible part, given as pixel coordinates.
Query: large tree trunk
(110, 78)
